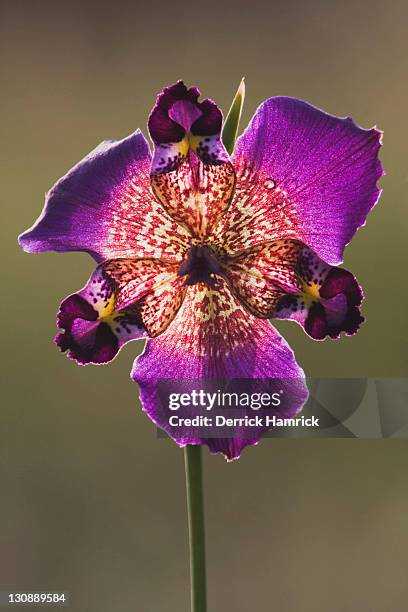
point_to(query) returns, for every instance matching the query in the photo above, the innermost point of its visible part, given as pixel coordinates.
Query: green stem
(192, 453)
(195, 505)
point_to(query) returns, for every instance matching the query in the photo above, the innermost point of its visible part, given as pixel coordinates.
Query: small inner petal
(84, 332)
(185, 113)
(328, 302)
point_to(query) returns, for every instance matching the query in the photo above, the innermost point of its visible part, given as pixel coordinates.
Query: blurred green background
(92, 501)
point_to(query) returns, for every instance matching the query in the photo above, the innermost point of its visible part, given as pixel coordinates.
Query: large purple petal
(215, 337)
(104, 206)
(302, 174)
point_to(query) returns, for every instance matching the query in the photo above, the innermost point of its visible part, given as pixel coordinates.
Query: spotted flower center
(200, 266)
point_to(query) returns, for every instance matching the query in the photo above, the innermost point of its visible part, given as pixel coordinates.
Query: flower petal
(135, 278)
(153, 285)
(178, 123)
(161, 306)
(329, 301)
(104, 206)
(302, 174)
(191, 173)
(213, 336)
(196, 194)
(262, 275)
(123, 300)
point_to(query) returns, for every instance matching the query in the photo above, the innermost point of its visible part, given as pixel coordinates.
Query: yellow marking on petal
(311, 290)
(107, 309)
(111, 318)
(194, 141)
(183, 146)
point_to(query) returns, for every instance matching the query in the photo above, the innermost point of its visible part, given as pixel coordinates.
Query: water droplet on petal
(269, 183)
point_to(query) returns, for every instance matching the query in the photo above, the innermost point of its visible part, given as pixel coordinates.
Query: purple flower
(196, 251)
